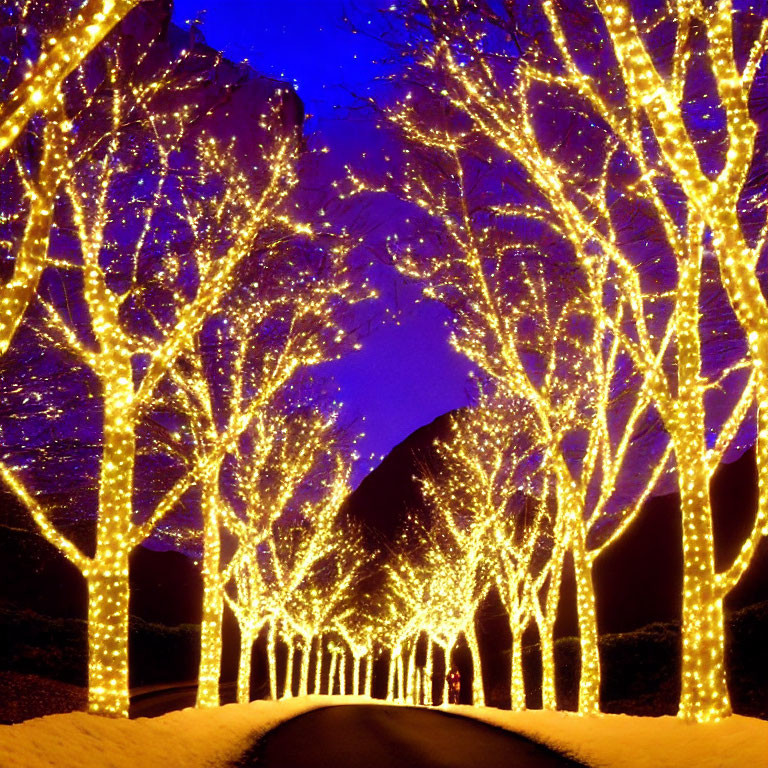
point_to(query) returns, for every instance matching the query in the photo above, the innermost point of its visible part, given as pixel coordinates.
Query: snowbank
(193, 738)
(622, 741)
(189, 738)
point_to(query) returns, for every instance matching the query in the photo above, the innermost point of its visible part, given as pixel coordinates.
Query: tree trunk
(704, 694)
(356, 686)
(400, 678)
(288, 685)
(571, 507)
(410, 693)
(447, 658)
(108, 585)
(369, 674)
(429, 674)
(518, 680)
(547, 644)
(589, 679)
(478, 694)
(306, 650)
(272, 662)
(391, 676)
(332, 672)
(213, 600)
(342, 673)
(244, 667)
(108, 636)
(546, 624)
(318, 664)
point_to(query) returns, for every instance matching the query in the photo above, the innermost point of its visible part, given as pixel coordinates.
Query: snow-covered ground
(189, 738)
(208, 738)
(622, 741)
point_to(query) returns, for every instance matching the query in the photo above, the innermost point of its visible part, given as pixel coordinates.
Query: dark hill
(385, 497)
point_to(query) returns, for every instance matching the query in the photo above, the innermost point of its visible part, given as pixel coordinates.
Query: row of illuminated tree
(585, 192)
(590, 188)
(168, 271)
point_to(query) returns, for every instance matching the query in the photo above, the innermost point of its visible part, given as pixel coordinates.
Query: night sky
(407, 373)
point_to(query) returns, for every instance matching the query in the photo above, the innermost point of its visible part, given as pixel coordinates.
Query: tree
(469, 497)
(289, 323)
(251, 606)
(722, 198)
(401, 615)
(560, 353)
(287, 317)
(153, 232)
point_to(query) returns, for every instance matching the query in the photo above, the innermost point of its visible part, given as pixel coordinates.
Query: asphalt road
(159, 700)
(375, 736)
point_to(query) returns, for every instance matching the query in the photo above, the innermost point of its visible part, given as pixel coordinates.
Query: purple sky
(406, 374)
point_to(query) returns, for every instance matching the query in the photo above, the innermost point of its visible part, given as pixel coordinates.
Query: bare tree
(159, 229)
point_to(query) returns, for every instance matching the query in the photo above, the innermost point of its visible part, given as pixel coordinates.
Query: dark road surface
(158, 700)
(374, 736)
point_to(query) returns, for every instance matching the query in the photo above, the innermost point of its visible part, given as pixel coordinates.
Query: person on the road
(454, 685)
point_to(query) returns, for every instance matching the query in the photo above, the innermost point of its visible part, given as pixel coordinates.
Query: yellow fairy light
(434, 593)
(62, 53)
(713, 202)
(480, 482)
(303, 302)
(318, 569)
(96, 211)
(555, 408)
(258, 372)
(357, 631)
(631, 326)
(16, 293)
(337, 661)
(289, 577)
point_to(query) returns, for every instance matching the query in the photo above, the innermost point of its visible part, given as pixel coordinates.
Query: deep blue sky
(406, 374)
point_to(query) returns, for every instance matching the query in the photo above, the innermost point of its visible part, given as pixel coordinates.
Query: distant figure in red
(454, 685)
